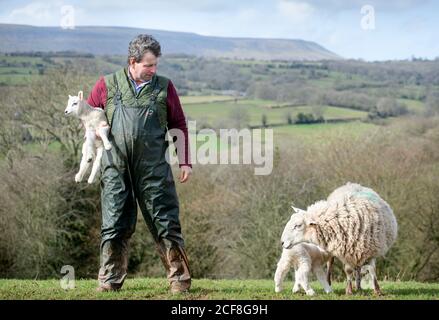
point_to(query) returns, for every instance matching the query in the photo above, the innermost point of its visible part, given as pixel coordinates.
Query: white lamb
(305, 258)
(96, 134)
(354, 224)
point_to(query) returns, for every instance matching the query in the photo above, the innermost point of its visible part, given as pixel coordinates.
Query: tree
(388, 107)
(432, 102)
(239, 117)
(289, 118)
(264, 120)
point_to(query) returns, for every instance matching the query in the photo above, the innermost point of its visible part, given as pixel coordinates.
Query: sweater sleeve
(177, 120)
(98, 95)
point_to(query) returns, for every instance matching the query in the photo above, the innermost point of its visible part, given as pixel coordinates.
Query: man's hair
(142, 44)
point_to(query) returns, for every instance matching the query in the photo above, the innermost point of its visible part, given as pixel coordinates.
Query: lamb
(305, 258)
(354, 224)
(96, 126)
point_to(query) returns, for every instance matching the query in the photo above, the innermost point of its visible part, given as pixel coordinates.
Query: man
(140, 106)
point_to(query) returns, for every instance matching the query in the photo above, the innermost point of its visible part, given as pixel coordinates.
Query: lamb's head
(295, 229)
(73, 104)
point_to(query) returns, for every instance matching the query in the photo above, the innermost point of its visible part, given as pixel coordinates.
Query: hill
(114, 41)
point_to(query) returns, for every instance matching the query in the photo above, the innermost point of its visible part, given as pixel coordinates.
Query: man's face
(145, 69)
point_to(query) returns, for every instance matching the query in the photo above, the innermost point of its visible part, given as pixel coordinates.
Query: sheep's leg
(302, 277)
(348, 270)
(358, 278)
(283, 267)
(372, 271)
(103, 133)
(321, 276)
(96, 164)
(329, 265)
(83, 166)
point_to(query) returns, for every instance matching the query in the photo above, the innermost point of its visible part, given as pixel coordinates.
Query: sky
(358, 29)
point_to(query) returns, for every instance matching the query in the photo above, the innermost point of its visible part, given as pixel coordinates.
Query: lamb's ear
(297, 210)
(70, 96)
(80, 95)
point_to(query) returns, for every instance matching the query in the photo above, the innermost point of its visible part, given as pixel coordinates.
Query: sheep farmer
(140, 107)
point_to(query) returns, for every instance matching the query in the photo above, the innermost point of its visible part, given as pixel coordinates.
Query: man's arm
(177, 120)
(98, 95)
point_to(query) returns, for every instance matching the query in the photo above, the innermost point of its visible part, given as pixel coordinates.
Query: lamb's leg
(90, 138)
(103, 133)
(283, 266)
(372, 271)
(321, 276)
(329, 265)
(296, 287)
(302, 277)
(83, 166)
(96, 164)
(348, 270)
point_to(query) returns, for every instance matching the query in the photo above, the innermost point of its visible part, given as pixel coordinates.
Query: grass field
(415, 106)
(320, 132)
(204, 289)
(204, 99)
(213, 112)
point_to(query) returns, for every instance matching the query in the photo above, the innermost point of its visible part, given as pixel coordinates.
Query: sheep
(354, 224)
(305, 258)
(96, 125)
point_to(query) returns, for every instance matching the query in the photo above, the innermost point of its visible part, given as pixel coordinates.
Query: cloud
(342, 5)
(205, 6)
(34, 11)
(297, 11)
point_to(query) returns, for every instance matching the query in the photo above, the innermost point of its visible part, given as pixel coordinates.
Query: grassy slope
(144, 288)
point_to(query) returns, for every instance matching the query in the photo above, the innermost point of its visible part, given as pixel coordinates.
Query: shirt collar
(137, 86)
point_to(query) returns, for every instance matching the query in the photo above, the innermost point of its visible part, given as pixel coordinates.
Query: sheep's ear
(310, 221)
(70, 96)
(296, 210)
(80, 95)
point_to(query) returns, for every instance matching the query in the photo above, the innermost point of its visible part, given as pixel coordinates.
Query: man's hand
(185, 172)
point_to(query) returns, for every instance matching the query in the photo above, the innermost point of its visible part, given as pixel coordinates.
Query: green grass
(321, 132)
(17, 79)
(17, 74)
(204, 99)
(415, 106)
(214, 112)
(204, 289)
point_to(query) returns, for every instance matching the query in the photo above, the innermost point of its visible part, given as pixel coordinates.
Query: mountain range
(114, 41)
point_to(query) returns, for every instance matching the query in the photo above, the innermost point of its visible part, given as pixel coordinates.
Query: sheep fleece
(354, 224)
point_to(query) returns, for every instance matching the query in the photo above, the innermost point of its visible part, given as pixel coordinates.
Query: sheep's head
(73, 104)
(295, 229)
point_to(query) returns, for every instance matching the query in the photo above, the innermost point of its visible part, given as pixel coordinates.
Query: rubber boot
(177, 267)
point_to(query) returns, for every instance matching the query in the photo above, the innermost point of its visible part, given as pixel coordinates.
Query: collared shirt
(138, 87)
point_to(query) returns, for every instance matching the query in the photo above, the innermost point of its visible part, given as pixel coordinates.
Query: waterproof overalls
(136, 169)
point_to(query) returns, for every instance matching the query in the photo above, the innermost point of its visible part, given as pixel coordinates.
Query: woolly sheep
(305, 258)
(354, 224)
(96, 125)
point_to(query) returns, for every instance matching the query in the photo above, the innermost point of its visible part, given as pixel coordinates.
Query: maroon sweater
(176, 118)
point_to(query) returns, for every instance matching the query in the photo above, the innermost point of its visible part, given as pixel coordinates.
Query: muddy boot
(177, 267)
(114, 263)
(107, 288)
